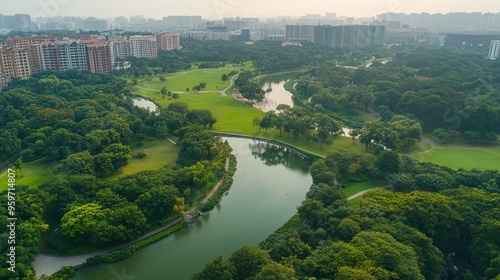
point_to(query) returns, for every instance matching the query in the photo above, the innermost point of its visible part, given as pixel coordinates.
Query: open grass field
(232, 115)
(357, 187)
(463, 157)
(160, 153)
(178, 82)
(33, 174)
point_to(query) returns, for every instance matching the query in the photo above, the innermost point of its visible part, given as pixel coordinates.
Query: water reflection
(273, 154)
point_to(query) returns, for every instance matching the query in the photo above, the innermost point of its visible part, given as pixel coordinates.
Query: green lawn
(357, 187)
(463, 157)
(178, 82)
(160, 153)
(33, 173)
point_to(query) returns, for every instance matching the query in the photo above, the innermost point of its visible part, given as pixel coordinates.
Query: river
(270, 182)
(276, 94)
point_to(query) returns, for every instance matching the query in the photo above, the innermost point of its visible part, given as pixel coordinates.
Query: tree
(158, 202)
(217, 269)
(9, 144)
(201, 117)
(389, 254)
(224, 77)
(78, 163)
(388, 162)
(249, 261)
(268, 120)
(275, 271)
(326, 127)
(163, 92)
(175, 95)
(178, 107)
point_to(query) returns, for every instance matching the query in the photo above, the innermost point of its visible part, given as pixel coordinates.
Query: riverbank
(48, 265)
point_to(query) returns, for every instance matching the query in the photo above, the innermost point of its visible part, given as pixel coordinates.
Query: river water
(276, 94)
(270, 182)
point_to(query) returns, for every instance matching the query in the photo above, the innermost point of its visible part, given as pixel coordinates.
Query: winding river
(270, 182)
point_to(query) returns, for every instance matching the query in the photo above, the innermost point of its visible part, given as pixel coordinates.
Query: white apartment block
(494, 49)
(143, 46)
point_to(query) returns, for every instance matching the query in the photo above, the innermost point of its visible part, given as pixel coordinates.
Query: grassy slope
(161, 153)
(178, 82)
(463, 157)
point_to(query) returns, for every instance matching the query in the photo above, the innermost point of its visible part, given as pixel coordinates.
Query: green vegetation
(159, 154)
(178, 82)
(76, 131)
(424, 232)
(467, 157)
(356, 187)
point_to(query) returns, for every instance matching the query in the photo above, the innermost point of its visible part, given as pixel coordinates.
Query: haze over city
(228, 8)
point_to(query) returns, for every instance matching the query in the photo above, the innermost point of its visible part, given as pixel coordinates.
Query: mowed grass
(357, 187)
(180, 81)
(160, 153)
(33, 174)
(483, 158)
(232, 115)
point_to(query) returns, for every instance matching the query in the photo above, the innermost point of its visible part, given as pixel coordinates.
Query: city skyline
(217, 9)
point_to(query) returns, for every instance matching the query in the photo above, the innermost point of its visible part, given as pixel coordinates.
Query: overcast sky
(230, 8)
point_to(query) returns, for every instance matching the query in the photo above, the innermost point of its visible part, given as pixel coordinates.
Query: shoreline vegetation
(120, 253)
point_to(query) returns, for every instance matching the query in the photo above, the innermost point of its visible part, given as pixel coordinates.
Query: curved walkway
(361, 193)
(49, 264)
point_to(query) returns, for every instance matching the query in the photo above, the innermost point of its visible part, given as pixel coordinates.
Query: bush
(141, 154)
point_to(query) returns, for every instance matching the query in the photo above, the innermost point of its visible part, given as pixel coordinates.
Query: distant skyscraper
(349, 35)
(494, 49)
(300, 33)
(95, 24)
(245, 35)
(182, 21)
(17, 21)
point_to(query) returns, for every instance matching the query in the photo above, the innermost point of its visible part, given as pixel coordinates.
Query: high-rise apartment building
(143, 46)
(17, 21)
(64, 55)
(349, 35)
(494, 49)
(183, 21)
(168, 41)
(300, 33)
(18, 62)
(121, 48)
(100, 56)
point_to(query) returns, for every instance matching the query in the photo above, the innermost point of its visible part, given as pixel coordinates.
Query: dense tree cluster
(443, 226)
(442, 88)
(300, 121)
(268, 57)
(85, 123)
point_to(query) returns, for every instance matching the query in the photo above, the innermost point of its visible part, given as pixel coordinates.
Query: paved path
(209, 196)
(365, 191)
(48, 264)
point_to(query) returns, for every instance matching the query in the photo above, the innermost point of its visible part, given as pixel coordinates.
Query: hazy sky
(228, 8)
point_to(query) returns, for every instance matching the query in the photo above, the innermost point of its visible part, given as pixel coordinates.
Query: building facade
(168, 41)
(64, 55)
(100, 56)
(349, 35)
(143, 46)
(494, 49)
